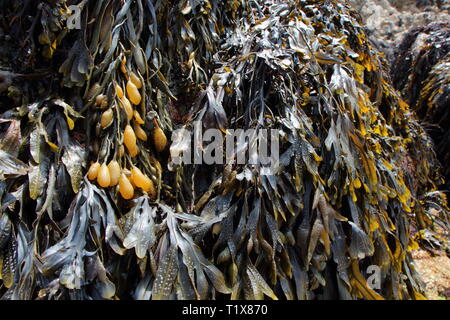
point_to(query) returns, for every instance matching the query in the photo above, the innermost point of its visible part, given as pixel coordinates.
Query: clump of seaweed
(421, 72)
(92, 206)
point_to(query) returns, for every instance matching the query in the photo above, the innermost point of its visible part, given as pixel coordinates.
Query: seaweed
(91, 208)
(421, 72)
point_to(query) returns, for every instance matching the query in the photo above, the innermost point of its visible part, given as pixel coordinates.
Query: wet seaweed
(92, 206)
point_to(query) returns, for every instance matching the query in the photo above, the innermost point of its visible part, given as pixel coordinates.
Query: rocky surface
(434, 269)
(388, 20)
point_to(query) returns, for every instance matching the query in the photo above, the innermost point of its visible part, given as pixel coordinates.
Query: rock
(389, 20)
